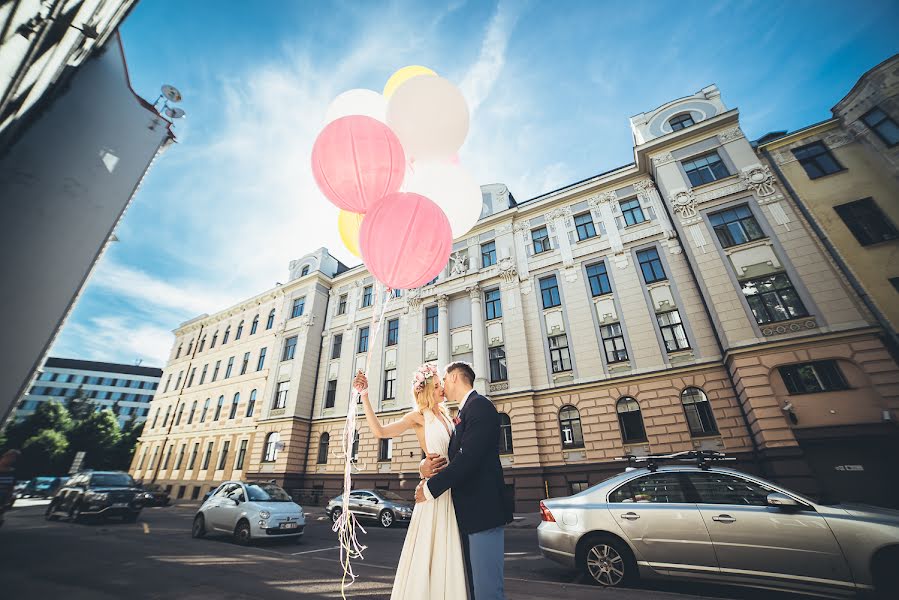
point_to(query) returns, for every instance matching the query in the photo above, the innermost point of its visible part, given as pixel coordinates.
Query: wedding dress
(431, 566)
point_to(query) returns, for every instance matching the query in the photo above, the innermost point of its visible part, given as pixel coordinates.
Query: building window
(881, 124)
(261, 362)
(894, 281)
(331, 394)
(218, 408)
(177, 381)
(224, 456)
(178, 353)
(505, 434)
(366, 296)
(817, 160)
(251, 404)
(205, 410)
(229, 368)
(177, 415)
(290, 348)
(698, 411)
(215, 371)
(245, 363)
(735, 226)
(241, 455)
(599, 279)
(336, 346)
(167, 382)
(493, 304)
(193, 410)
(813, 377)
(363, 341)
(396, 293)
(488, 254)
(341, 305)
(239, 331)
(681, 121)
(215, 337)
(559, 357)
(570, 428)
(583, 224)
(165, 419)
(549, 291)
(672, 329)
(155, 419)
(390, 384)
(498, 370)
(255, 325)
(354, 452)
(180, 459)
(540, 238)
(208, 456)
(234, 402)
(773, 298)
(202, 344)
(393, 332)
(304, 271)
(227, 335)
(705, 169)
(271, 447)
(190, 347)
(431, 320)
(651, 265)
(203, 373)
(281, 395)
(323, 442)
(299, 305)
(193, 457)
(631, 212)
(385, 450)
(867, 222)
(613, 343)
(630, 420)
(271, 320)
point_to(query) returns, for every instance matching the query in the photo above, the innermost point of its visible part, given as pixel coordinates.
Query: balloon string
(346, 524)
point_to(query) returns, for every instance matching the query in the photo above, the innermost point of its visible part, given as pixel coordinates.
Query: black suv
(97, 493)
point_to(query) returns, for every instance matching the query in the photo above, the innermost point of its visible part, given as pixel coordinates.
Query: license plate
(288, 525)
(120, 505)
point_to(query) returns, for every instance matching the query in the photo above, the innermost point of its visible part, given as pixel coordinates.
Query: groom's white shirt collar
(461, 404)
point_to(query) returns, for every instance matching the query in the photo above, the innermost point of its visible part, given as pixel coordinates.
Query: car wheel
(608, 562)
(50, 515)
(75, 515)
(335, 514)
(884, 573)
(242, 533)
(199, 527)
(386, 518)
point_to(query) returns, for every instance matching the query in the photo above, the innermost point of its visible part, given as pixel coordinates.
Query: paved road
(156, 558)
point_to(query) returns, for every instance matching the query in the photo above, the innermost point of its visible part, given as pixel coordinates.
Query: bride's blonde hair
(426, 397)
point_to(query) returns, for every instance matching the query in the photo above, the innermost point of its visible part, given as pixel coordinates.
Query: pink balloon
(406, 240)
(356, 161)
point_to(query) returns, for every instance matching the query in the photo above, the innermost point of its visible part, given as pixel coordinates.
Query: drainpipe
(889, 337)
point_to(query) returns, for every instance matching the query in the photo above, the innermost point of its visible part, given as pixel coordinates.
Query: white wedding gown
(431, 566)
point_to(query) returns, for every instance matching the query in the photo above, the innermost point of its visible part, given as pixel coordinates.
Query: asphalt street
(157, 558)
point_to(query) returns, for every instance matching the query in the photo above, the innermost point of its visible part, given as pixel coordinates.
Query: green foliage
(42, 454)
(97, 436)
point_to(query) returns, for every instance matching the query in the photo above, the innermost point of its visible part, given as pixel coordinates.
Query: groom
(475, 477)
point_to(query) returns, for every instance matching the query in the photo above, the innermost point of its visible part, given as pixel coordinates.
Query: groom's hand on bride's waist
(419, 492)
(431, 465)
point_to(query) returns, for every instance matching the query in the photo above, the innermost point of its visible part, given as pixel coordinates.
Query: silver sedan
(721, 525)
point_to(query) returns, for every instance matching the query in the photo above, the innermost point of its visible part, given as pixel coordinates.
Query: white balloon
(430, 116)
(450, 187)
(357, 102)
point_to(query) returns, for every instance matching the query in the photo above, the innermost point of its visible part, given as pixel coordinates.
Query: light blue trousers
(487, 551)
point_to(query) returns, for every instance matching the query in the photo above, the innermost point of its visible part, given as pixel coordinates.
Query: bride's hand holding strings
(360, 383)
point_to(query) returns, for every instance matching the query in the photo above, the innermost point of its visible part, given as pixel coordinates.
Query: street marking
(146, 528)
(311, 551)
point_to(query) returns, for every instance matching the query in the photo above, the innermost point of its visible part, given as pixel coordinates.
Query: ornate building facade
(678, 302)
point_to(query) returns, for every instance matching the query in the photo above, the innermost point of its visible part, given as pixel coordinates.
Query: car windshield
(391, 496)
(112, 480)
(267, 492)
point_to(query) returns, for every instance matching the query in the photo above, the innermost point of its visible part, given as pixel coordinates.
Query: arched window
(234, 404)
(218, 408)
(681, 121)
(178, 353)
(323, 443)
(630, 420)
(271, 320)
(355, 453)
(570, 428)
(251, 404)
(239, 331)
(180, 412)
(202, 344)
(305, 271)
(227, 335)
(190, 346)
(215, 337)
(255, 325)
(698, 411)
(271, 447)
(190, 415)
(205, 410)
(505, 434)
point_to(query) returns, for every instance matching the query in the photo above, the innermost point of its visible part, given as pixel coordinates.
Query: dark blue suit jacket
(474, 473)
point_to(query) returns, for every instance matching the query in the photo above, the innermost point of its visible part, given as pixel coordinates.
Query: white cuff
(426, 491)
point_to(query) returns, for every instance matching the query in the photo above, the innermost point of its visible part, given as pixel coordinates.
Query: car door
(216, 512)
(766, 544)
(233, 506)
(71, 492)
(663, 525)
(360, 504)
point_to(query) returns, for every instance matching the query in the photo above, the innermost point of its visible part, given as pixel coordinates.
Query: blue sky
(551, 86)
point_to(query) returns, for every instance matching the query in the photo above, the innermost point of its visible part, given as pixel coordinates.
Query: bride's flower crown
(422, 375)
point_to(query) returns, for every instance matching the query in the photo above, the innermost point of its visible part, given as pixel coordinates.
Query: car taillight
(545, 515)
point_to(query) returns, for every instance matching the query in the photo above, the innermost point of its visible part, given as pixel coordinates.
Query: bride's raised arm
(409, 420)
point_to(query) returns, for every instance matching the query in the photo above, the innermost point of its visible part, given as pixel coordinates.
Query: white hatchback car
(250, 511)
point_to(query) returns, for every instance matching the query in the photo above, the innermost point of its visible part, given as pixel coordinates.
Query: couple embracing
(454, 545)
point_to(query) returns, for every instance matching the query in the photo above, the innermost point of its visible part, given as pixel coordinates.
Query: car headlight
(264, 514)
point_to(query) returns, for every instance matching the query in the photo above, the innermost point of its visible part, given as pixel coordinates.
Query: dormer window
(681, 121)
(305, 271)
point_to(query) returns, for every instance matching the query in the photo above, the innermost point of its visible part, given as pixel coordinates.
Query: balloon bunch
(388, 162)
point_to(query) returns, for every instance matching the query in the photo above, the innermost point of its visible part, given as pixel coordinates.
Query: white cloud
(481, 76)
(115, 339)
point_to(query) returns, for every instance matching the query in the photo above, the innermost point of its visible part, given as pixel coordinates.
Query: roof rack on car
(702, 458)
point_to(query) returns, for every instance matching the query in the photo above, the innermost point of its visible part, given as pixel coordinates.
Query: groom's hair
(463, 368)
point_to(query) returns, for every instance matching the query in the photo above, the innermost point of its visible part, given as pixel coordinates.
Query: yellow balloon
(348, 224)
(404, 75)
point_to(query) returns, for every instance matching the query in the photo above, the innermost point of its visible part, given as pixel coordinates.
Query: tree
(120, 457)
(97, 436)
(49, 415)
(43, 454)
(80, 406)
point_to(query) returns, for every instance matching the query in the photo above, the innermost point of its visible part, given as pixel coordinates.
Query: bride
(431, 566)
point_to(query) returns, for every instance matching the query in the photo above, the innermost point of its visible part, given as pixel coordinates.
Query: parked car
(41, 487)
(384, 506)
(155, 495)
(250, 511)
(716, 524)
(97, 493)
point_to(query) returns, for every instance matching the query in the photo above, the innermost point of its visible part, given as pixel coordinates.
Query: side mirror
(375, 501)
(783, 501)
